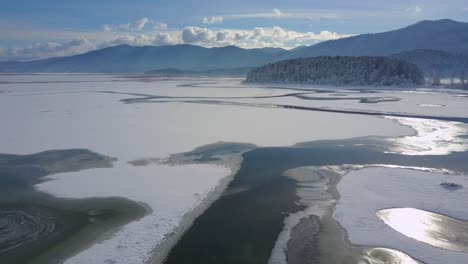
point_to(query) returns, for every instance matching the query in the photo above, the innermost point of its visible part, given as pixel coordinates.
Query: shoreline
(161, 252)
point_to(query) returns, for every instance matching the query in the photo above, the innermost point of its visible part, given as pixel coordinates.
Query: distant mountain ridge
(126, 58)
(442, 63)
(442, 35)
(445, 35)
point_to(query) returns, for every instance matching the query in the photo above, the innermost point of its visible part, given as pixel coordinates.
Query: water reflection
(387, 256)
(431, 228)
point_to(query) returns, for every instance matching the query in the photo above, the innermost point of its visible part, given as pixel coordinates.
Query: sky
(31, 29)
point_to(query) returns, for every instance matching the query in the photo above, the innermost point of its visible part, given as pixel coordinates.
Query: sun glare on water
(431, 228)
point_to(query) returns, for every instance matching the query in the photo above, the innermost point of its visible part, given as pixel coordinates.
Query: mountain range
(445, 35)
(425, 43)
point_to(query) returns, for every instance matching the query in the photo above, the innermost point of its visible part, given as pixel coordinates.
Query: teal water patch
(39, 228)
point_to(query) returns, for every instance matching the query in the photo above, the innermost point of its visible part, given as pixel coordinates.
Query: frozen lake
(140, 118)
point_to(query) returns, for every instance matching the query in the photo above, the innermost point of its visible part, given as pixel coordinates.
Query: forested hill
(349, 71)
(439, 62)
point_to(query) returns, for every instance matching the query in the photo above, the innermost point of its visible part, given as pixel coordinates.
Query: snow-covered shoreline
(160, 252)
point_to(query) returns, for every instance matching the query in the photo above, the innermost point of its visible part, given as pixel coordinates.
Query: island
(339, 70)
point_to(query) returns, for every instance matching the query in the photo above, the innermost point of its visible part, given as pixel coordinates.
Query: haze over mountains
(441, 40)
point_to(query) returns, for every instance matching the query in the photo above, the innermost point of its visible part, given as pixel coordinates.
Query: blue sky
(37, 29)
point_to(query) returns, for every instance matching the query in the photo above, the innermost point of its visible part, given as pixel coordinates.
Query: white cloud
(212, 20)
(465, 9)
(140, 24)
(107, 28)
(160, 26)
(277, 12)
(220, 36)
(198, 35)
(258, 32)
(414, 9)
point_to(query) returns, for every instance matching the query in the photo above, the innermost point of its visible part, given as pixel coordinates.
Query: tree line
(453, 82)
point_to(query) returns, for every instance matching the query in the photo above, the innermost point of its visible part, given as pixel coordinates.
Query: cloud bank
(255, 38)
